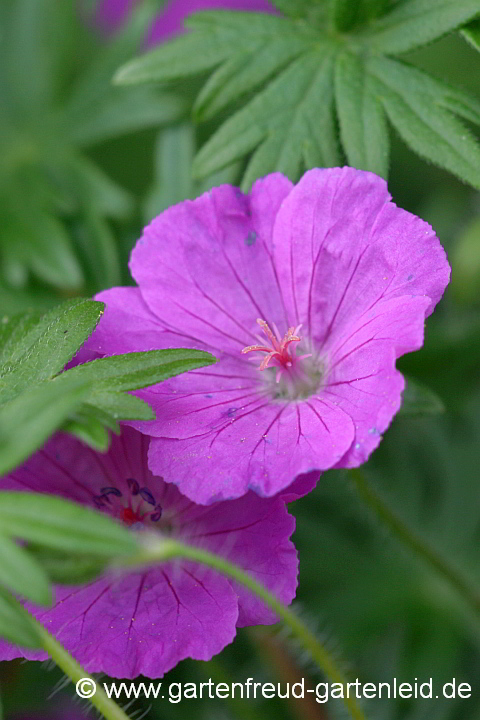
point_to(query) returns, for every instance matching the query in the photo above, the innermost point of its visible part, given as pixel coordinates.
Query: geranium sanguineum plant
(146, 621)
(306, 294)
(110, 14)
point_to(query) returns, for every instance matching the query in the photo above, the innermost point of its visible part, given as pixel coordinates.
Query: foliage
(83, 162)
(298, 74)
(56, 203)
(36, 397)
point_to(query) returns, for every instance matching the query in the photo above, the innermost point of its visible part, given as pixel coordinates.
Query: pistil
(278, 352)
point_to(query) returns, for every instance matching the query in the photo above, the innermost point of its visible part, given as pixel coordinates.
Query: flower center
(294, 378)
(132, 508)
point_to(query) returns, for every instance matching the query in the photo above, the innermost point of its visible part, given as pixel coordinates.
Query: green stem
(414, 541)
(109, 709)
(160, 550)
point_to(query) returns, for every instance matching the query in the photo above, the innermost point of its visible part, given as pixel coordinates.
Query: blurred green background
(83, 166)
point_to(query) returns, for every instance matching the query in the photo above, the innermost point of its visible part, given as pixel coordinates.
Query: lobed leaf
(343, 14)
(187, 55)
(56, 523)
(36, 238)
(66, 569)
(15, 624)
(294, 107)
(471, 33)
(133, 371)
(245, 71)
(29, 419)
(48, 346)
(21, 574)
(88, 428)
(432, 131)
(363, 125)
(412, 23)
(120, 405)
(124, 112)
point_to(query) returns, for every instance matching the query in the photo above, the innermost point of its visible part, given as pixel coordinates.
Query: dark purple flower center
(131, 507)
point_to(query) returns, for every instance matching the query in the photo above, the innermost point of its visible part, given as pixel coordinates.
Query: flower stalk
(108, 708)
(159, 550)
(408, 537)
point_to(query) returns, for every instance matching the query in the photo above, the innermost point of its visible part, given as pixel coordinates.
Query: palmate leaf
(62, 525)
(58, 101)
(28, 420)
(14, 623)
(47, 346)
(471, 33)
(302, 85)
(363, 125)
(21, 574)
(415, 109)
(413, 23)
(37, 397)
(289, 124)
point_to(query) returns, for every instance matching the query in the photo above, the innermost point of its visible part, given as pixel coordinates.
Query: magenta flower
(147, 621)
(112, 13)
(339, 282)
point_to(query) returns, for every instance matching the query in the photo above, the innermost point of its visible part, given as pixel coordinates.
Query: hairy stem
(109, 709)
(157, 550)
(415, 542)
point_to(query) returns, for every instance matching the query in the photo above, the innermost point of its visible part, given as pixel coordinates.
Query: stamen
(111, 491)
(155, 517)
(278, 351)
(134, 514)
(147, 496)
(133, 486)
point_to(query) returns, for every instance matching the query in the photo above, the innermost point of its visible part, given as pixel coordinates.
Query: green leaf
(87, 428)
(63, 525)
(245, 71)
(21, 574)
(471, 33)
(429, 129)
(465, 260)
(13, 329)
(418, 399)
(215, 35)
(421, 85)
(299, 8)
(15, 624)
(37, 239)
(99, 247)
(363, 125)
(38, 49)
(174, 154)
(343, 14)
(294, 113)
(412, 23)
(29, 419)
(186, 55)
(134, 371)
(121, 405)
(125, 111)
(96, 189)
(102, 410)
(48, 346)
(67, 569)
